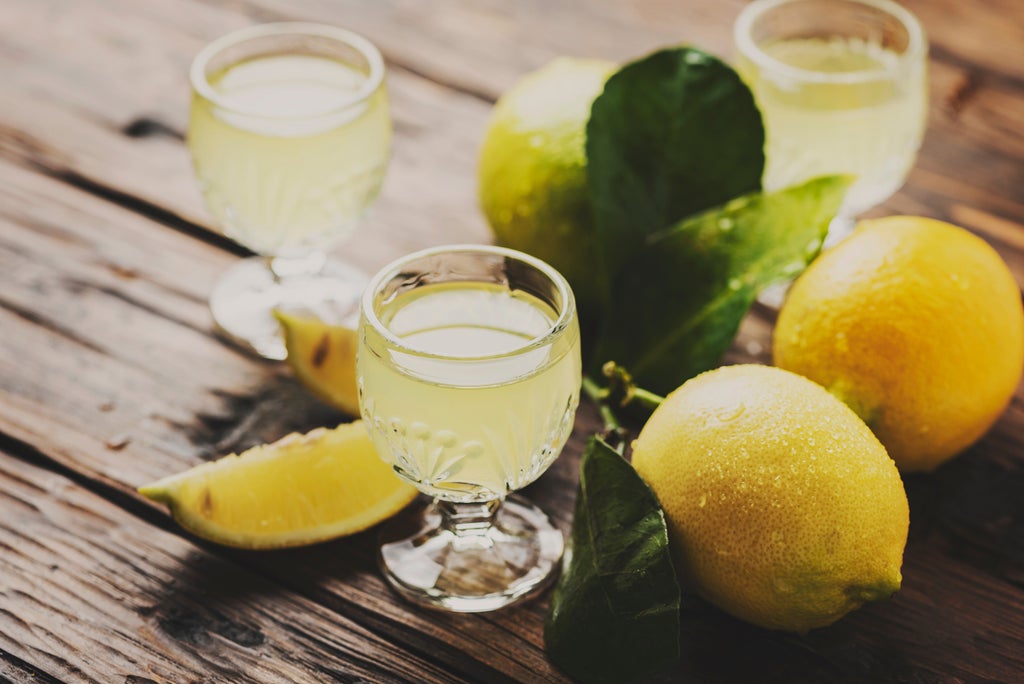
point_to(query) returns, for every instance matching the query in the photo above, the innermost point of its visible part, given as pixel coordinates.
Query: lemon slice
(298, 490)
(323, 358)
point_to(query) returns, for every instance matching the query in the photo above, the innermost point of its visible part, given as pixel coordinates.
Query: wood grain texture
(90, 592)
(110, 375)
(131, 415)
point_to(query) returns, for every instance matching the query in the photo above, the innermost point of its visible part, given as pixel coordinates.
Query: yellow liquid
(871, 127)
(481, 426)
(291, 161)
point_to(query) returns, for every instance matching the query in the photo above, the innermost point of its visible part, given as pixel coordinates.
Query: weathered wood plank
(522, 36)
(89, 592)
(973, 126)
(88, 324)
(974, 151)
(74, 125)
(104, 334)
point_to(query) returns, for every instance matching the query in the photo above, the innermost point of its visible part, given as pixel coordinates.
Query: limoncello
(843, 105)
(471, 398)
(291, 150)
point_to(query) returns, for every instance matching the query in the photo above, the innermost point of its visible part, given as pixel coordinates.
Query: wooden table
(111, 375)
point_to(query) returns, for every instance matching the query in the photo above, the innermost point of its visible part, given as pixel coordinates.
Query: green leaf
(614, 615)
(672, 134)
(679, 300)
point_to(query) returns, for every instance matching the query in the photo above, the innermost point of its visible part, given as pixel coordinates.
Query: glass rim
(555, 330)
(916, 42)
(201, 84)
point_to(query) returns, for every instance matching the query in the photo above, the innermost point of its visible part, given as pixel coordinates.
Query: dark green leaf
(678, 302)
(672, 134)
(614, 614)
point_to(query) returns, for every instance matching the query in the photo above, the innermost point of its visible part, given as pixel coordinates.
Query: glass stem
(468, 520)
(285, 267)
(838, 228)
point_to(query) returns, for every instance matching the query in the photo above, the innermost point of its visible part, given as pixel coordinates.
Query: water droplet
(784, 587)
(792, 268)
(735, 284)
(703, 500)
(725, 224)
(694, 57)
(731, 413)
(962, 283)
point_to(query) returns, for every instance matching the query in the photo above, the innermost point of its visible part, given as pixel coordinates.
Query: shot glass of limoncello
(290, 137)
(469, 377)
(842, 89)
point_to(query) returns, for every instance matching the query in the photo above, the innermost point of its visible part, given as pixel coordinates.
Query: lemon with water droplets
(783, 509)
(533, 169)
(917, 324)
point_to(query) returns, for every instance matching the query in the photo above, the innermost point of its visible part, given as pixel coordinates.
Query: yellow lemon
(782, 508)
(533, 169)
(323, 358)
(299, 490)
(917, 325)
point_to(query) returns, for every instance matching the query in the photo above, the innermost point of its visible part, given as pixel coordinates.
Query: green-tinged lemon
(533, 169)
(783, 509)
(323, 358)
(298, 490)
(918, 326)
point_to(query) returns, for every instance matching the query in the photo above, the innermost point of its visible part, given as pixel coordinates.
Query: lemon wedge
(323, 358)
(298, 490)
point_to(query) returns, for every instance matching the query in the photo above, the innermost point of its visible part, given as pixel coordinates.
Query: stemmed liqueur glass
(290, 137)
(469, 377)
(842, 87)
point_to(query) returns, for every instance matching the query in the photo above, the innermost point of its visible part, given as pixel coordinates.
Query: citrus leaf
(614, 613)
(679, 300)
(672, 134)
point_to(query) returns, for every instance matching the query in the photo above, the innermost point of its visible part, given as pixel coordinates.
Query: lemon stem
(613, 432)
(646, 398)
(620, 384)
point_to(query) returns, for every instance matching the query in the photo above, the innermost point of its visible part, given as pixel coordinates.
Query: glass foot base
(243, 300)
(463, 563)
(839, 229)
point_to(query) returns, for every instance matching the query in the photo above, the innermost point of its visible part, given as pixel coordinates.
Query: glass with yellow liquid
(842, 88)
(290, 137)
(469, 378)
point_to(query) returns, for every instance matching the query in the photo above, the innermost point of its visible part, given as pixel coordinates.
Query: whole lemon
(918, 326)
(533, 169)
(782, 508)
